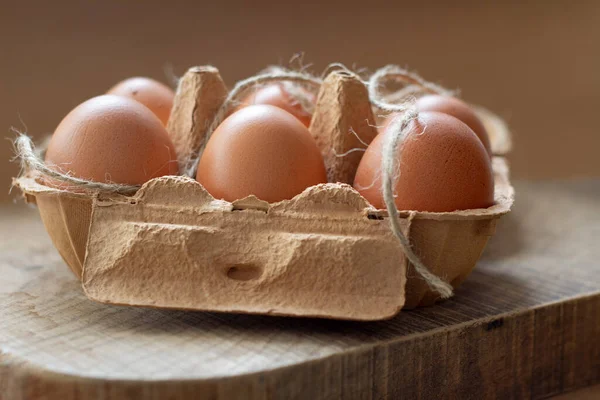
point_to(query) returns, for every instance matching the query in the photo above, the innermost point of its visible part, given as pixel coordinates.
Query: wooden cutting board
(526, 324)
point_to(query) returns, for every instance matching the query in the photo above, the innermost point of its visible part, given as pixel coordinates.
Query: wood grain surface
(526, 324)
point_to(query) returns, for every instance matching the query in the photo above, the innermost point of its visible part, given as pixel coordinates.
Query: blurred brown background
(537, 65)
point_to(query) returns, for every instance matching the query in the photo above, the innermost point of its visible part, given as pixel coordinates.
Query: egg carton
(325, 253)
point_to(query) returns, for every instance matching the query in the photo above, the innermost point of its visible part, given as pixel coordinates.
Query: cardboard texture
(318, 255)
(343, 121)
(200, 94)
(325, 253)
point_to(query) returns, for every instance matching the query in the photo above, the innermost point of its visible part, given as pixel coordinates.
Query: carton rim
(504, 197)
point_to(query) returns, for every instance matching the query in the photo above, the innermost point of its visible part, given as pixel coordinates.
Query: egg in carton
(325, 253)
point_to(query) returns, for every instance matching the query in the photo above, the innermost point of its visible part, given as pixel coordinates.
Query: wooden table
(526, 324)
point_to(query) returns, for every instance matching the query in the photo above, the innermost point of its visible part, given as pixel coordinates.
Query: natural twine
(391, 161)
(414, 84)
(240, 88)
(31, 161)
(296, 92)
(391, 157)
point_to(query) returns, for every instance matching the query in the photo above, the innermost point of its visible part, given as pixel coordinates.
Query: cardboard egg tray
(324, 253)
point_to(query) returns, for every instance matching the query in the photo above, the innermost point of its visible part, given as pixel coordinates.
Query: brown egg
(277, 95)
(112, 139)
(260, 150)
(153, 94)
(444, 167)
(458, 109)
